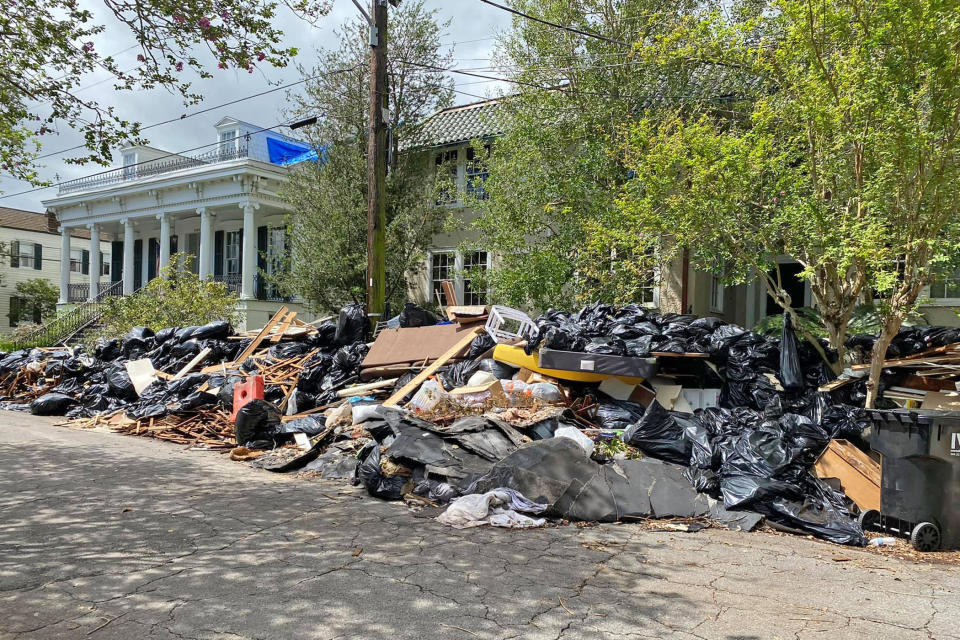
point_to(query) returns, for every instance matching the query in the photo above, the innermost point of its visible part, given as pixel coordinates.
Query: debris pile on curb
(607, 414)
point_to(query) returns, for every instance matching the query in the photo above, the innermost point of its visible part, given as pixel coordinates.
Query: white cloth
(498, 508)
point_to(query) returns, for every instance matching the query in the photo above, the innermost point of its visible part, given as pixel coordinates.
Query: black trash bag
(500, 370)
(704, 481)
(185, 348)
(566, 339)
(724, 336)
(640, 347)
(456, 375)
(258, 425)
(287, 350)
(372, 477)
(51, 404)
(136, 348)
(414, 316)
(139, 333)
(216, 330)
(617, 415)
(351, 325)
(69, 386)
(120, 384)
(710, 324)
(480, 345)
(660, 434)
(791, 375)
(325, 335)
(185, 333)
(165, 334)
(225, 395)
(310, 425)
(606, 346)
(107, 350)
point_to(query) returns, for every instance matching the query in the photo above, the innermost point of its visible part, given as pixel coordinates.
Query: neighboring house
(449, 135)
(32, 249)
(221, 206)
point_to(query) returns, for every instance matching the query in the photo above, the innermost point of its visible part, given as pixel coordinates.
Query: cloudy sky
(473, 26)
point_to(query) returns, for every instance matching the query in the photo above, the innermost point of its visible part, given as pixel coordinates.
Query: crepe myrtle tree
(840, 151)
(47, 49)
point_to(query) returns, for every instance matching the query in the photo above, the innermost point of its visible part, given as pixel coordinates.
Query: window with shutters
(26, 251)
(104, 264)
(76, 260)
(22, 311)
(193, 248)
(231, 252)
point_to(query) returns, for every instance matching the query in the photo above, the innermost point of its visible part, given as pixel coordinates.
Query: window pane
(26, 255)
(473, 262)
(441, 268)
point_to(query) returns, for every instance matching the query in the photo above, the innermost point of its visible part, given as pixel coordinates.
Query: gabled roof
(39, 222)
(458, 125)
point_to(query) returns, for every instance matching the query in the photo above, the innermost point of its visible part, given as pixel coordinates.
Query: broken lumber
(429, 371)
(197, 359)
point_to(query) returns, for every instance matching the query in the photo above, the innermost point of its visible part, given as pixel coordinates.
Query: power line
(137, 164)
(208, 109)
(589, 34)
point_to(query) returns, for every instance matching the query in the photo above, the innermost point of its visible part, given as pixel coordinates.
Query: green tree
(38, 293)
(554, 174)
(328, 227)
(844, 158)
(176, 298)
(47, 49)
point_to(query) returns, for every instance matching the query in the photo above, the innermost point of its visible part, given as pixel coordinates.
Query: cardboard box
(858, 473)
(598, 363)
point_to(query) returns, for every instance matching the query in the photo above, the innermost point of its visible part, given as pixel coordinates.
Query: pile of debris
(607, 414)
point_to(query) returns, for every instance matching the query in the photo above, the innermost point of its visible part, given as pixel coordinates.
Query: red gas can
(244, 392)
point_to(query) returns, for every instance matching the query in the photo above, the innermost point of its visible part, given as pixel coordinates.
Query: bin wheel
(869, 519)
(925, 537)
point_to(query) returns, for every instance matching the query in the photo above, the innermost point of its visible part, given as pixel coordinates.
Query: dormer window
(228, 143)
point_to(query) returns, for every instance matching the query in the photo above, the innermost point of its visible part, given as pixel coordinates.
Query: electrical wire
(554, 24)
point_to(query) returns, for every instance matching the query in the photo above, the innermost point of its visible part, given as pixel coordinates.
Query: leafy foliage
(554, 176)
(39, 292)
(177, 298)
(47, 48)
(328, 228)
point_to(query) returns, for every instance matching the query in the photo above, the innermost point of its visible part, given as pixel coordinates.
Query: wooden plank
(253, 345)
(361, 389)
(283, 328)
(859, 474)
(197, 359)
(449, 293)
(439, 362)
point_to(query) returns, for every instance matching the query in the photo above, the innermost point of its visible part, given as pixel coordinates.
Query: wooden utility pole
(377, 160)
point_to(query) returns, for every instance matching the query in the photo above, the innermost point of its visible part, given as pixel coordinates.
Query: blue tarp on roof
(284, 152)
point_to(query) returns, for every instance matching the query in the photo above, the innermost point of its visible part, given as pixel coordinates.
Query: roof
(458, 125)
(33, 221)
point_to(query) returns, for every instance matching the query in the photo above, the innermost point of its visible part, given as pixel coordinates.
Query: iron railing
(234, 281)
(68, 324)
(80, 292)
(157, 167)
(269, 291)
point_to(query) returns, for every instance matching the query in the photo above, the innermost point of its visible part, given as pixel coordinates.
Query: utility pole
(377, 160)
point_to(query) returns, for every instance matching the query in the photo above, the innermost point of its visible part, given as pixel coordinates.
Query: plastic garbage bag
(371, 475)
(791, 375)
(51, 404)
(164, 334)
(414, 316)
(216, 330)
(310, 425)
(139, 333)
(480, 345)
(184, 333)
(457, 375)
(257, 425)
(120, 385)
(660, 434)
(500, 370)
(501, 507)
(107, 350)
(617, 415)
(568, 431)
(351, 325)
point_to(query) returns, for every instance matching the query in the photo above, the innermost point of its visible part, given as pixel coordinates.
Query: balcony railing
(80, 292)
(234, 281)
(157, 167)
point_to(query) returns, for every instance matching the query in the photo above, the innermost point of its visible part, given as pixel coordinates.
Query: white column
(206, 243)
(64, 265)
(249, 252)
(94, 261)
(164, 240)
(128, 276)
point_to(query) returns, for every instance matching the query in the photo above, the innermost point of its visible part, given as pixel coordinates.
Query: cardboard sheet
(141, 373)
(413, 345)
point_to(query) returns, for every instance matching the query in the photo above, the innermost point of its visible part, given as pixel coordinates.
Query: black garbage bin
(920, 481)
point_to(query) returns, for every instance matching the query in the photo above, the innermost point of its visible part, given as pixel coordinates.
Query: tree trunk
(879, 353)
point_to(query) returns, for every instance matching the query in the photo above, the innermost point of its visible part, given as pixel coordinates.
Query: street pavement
(109, 536)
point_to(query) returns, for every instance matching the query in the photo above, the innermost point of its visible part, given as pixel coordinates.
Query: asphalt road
(108, 536)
